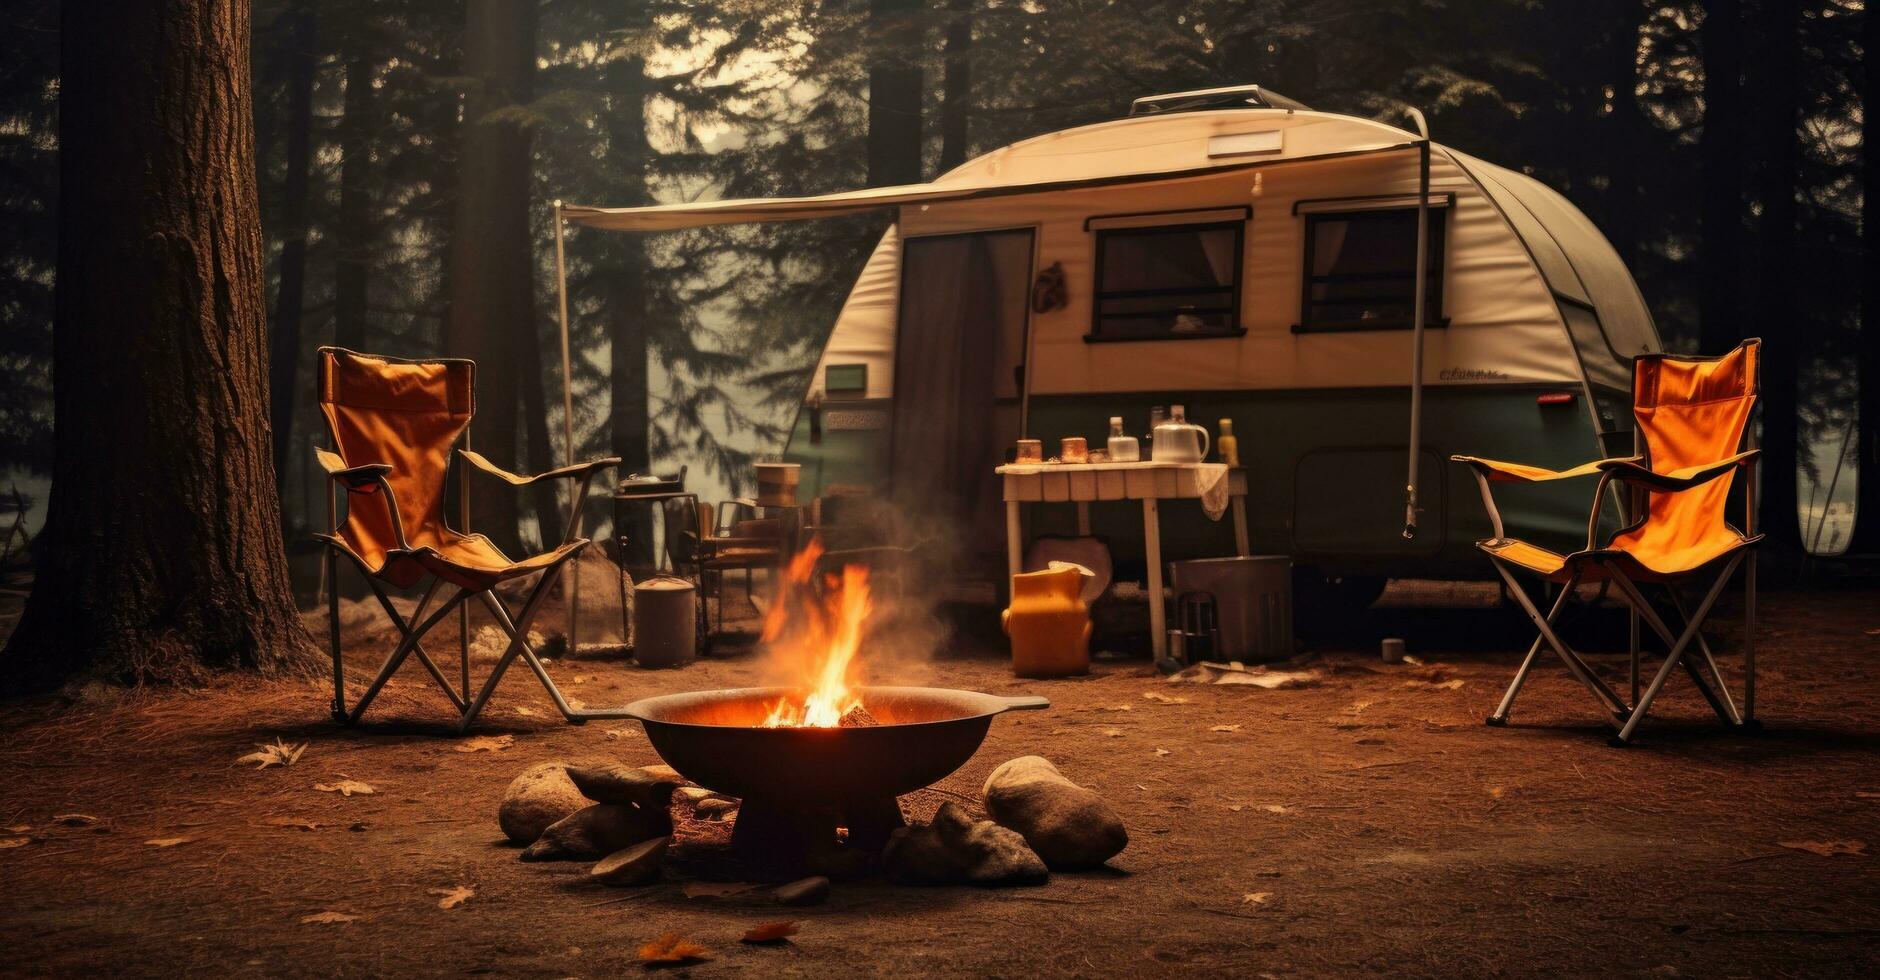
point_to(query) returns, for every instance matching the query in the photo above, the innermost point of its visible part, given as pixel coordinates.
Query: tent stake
(1416, 320)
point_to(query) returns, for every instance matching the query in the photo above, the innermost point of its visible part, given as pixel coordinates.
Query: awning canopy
(957, 186)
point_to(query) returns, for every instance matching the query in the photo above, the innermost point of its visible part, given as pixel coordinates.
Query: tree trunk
(893, 92)
(628, 309)
(1866, 537)
(284, 342)
(956, 84)
(1624, 125)
(491, 297)
(352, 245)
(1721, 147)
(540, 448)
(1778, 316)
(162, 554)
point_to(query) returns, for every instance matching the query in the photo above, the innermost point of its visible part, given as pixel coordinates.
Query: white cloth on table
(1212, 480)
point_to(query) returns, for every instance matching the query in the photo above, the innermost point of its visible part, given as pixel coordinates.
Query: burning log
(857, 717)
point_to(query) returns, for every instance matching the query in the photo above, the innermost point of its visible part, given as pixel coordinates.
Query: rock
(956, 849)
(1067, 825)
(596, 830)
(611, 782)
(634, 865)
(663, 772)
(804, 891)
(714, 807)
(695, 793)
(540, 796)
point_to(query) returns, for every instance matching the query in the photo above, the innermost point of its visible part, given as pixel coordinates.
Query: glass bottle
(1156, 417)
(1123, 449)
(1228, 446)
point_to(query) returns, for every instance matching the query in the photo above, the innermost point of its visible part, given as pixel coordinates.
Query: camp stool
(393, 423)
(1692, 414)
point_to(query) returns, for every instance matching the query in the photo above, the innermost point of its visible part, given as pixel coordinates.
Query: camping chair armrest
(1676, 481)
(1499, 471)
(1488, 471)
(577, 470)
(361, 477)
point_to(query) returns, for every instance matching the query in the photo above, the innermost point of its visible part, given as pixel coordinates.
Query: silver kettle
(1179, 440)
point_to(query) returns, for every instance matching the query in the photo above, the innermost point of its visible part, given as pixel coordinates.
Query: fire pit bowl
(716, 739)
(799, 783)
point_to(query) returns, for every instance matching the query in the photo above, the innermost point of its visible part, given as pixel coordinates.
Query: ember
(817, 633)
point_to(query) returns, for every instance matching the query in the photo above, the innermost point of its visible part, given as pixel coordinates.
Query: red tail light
(1556, 398)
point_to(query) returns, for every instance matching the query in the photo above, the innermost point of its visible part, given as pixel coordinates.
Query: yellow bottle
(1227, 445)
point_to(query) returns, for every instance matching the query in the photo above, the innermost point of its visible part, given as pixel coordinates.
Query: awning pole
(567, 423)
(1416, 322)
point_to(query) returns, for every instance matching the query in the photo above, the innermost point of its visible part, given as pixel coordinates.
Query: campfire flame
(818, 636)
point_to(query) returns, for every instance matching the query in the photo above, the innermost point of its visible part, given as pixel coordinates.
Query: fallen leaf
(1412, 661)
(20, 828)
(486, 743)
(1436, 685)
(715, 889)
(577, 704)
(1236, 807)
(770, 932)
(1275, 808)
(1827, 848)
(617, 733)
(1113, 732)
(339, 917)
(169, 841)
(345, 787)
(579, 679)
(1161, 752)
(525, 711)
(1159, 698)
(453, 897)
(277, 754)
(75, 820)
(1225, 728)
(670, 948)
(1117, 707)
(8, 843)
(1255, 898)
(294, 822)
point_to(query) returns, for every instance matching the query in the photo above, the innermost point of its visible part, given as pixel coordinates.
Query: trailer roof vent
(1200, 100)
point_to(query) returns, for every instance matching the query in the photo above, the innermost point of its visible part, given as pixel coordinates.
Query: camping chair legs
(1692, 625)
(1575, 666)
(405, 646)
(1500, 717)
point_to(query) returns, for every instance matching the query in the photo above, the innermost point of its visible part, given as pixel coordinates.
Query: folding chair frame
(1625, 716)
(370, 478)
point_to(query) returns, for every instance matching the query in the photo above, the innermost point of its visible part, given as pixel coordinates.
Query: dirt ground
(1367, 823)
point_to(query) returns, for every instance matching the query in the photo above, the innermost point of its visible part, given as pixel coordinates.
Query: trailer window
(1168, 282)
(1360, 270)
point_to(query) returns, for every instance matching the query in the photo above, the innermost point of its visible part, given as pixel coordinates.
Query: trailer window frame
(1437, 272)
(1234, 289)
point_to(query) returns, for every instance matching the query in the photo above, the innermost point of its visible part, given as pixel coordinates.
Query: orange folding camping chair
(1691, 415)
(393, 423)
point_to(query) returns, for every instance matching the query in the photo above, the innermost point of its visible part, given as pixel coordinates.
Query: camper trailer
(1253, 260)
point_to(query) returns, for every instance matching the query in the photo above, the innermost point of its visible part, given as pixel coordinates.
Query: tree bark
(1866, 537)
(352, 245)
(893, 92)
(491, 265)
(284, 342)
(629, 419)
(162, 554)
(1780, 319)
(956, 84)
(1721, 146)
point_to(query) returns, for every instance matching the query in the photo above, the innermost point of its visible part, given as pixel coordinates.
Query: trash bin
(665, 622)
(1252, 603)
